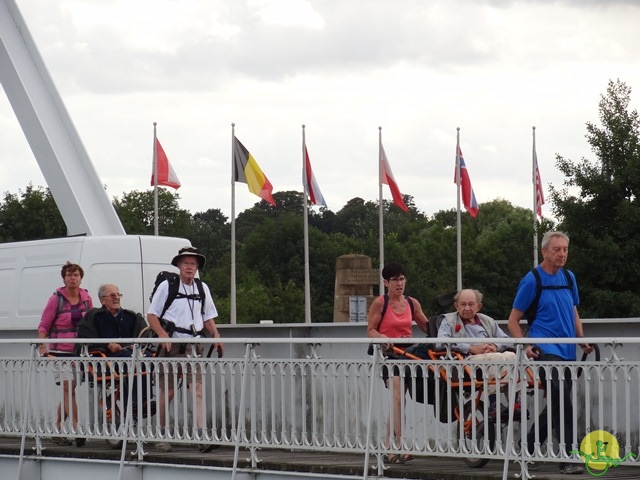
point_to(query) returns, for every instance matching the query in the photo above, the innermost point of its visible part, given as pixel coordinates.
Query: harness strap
(63, 330)
(188, 331)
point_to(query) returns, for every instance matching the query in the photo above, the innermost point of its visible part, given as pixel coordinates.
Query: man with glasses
(467, 322)
(113, 321)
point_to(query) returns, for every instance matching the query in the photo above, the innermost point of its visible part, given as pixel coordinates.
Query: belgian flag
(246, 170)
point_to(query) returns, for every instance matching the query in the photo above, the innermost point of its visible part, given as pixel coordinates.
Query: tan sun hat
(189, 252)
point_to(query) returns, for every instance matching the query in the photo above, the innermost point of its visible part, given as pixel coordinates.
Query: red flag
(386, 176)
(538, 183)
(166, 176)
(468, 196)
(310, 183)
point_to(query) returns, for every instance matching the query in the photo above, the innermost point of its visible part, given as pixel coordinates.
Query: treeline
(598, 206)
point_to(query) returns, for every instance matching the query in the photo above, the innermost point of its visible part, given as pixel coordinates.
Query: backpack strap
(532, 311)
(202, 296)
(59, 310)
(174, 292)
(385, 306)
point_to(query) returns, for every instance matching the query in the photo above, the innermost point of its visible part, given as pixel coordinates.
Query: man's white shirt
(184, 312)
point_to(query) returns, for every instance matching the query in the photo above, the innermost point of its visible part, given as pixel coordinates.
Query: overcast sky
(417, 68)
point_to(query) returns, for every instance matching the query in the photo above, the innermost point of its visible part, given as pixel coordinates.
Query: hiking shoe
(571, 469)
(164, 447)
(63, 442)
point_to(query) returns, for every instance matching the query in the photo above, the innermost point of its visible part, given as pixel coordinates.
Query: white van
(30, 271)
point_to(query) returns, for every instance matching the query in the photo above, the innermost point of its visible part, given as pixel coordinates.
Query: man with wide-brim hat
(190, 314)
(189, 252)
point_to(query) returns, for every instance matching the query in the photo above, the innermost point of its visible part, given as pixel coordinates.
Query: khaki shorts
(65, 370)
(169, 373)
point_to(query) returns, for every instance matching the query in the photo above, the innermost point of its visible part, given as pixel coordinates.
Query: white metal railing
(310, 398)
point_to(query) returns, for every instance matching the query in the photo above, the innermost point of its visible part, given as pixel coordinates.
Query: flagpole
(380, 211)
(535, 200)
(458, 215)
(232, 310)
(307, 276)
(155, 180)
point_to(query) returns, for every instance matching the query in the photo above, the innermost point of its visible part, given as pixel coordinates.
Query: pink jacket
(62, 327)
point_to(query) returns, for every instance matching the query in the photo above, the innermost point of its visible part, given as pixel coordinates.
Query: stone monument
(354, 278)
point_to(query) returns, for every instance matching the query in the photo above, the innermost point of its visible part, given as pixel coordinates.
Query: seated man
(466, 322)
(112, 321)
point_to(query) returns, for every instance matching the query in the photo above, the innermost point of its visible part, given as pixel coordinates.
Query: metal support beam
(54, 140)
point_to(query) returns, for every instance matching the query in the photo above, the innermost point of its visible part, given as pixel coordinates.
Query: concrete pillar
(354, 276)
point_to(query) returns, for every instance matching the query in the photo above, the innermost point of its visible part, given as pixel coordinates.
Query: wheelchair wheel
(464, 433)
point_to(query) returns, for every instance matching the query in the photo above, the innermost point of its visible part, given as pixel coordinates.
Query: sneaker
(63, 442)
(164, 447)
(206, 447)
(571, 469)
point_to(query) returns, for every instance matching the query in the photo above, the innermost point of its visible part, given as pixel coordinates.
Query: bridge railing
(325, 395)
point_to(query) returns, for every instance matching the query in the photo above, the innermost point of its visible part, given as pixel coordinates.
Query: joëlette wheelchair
(113, 379)
(459, 388)
(459, 392)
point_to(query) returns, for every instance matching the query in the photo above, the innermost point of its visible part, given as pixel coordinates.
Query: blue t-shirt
(556, 315)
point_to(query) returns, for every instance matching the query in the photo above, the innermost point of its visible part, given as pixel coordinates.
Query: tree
(135, 210)
(599, 207)
(210, 232)
(31, 214)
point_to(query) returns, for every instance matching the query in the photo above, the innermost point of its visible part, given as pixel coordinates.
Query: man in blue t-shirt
(557, 317)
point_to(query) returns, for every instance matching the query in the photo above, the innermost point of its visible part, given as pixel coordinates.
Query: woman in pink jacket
(60, 319)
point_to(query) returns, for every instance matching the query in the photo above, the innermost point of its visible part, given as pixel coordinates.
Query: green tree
(599, 207)
(136, 208)
(31, 214)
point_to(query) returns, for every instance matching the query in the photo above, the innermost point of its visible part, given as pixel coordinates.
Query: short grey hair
(478, 294)
(102, 289)
(552, 234)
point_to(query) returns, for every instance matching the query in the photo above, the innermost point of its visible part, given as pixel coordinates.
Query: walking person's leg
(166, 389)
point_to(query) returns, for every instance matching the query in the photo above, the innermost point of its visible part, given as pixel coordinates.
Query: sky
(418, 69)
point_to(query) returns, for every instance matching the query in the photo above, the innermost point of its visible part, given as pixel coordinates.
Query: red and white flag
(537, 181)
(386, 176)
(468, 196)
(166, 176)
(310, 183)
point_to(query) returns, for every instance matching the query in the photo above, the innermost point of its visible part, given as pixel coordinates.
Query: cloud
(418, 69)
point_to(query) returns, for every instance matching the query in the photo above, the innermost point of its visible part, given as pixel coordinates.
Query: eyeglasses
(398, 279)
(114, 296)
(467, 304)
